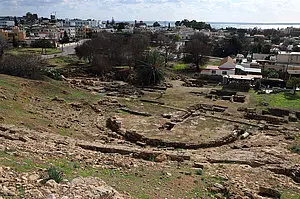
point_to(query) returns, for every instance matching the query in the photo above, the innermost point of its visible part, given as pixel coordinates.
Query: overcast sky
(169, 10)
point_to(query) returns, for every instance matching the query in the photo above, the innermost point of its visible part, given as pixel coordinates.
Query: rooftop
(245, 77)
(293, 72)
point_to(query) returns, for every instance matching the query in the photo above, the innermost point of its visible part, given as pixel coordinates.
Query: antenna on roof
(53, 15)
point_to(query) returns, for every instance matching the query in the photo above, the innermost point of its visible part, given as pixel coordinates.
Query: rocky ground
(112, 140)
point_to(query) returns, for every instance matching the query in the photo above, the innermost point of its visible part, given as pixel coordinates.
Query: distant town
(255, 50)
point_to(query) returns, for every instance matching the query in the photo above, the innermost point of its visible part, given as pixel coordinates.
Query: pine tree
(65, 38)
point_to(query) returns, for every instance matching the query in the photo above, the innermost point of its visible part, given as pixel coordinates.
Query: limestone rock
(245, 135)
(51, 183)
(114, 123)
(198, 165)
(161, 158)
(269, 192)
(33, 177)
(51, 196)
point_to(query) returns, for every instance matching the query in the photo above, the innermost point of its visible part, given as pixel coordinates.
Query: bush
(3, 45)
(42, 43)
(199, 172)
(52, 73)
(295, 149)
(25, 65)
(53, 174)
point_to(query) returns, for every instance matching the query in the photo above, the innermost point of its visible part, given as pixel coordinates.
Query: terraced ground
(205, 154)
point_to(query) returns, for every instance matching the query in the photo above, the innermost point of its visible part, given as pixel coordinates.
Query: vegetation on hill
(194, 24)
(23, 65)
(108, 50)
(42, 43)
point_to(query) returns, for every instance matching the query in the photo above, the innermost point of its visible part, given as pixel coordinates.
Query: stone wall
(278, 112)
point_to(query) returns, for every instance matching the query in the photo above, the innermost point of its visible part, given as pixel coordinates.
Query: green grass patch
(197, 193)
(49, 51)
(20, 165)
(214, 63)
(279, 100)
(87, 172)
(143, 196)
(19, 111)
(135, 181)
(123, 112)
(289, 195)
(121, 67)
(295, 147)
(66, 61)
(9, 85)
(65, 132)
(180, 66)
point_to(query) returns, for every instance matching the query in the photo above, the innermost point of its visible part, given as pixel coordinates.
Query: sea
(239, 25)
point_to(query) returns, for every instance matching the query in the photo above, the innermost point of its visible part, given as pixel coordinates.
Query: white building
(226, 67)
(71, 31)
(91, 23)
(186, 33)
(259, 56)
(45, 32)
(6, 23)
(288, 58)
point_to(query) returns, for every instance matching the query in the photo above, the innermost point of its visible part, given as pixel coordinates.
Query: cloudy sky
(205, 10)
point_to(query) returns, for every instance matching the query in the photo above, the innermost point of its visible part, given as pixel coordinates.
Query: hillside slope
(205, 154)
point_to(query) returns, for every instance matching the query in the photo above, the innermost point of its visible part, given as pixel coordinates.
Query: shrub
(25, 65)
(52, 73)
(295, 149)
(199, 172)
(42, 43)
(53, 174)
(3, 45)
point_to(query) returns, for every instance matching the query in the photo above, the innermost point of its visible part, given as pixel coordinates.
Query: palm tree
(149, 69)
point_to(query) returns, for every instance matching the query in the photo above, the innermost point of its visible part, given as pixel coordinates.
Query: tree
(16, 21)
(294, 82)
(166, 43)
(296, 48)
(65, 38)
(233, 47)
(194, 24)
(266, 48)
(275, 39)
(156, 24)
(149, 69)
(108, 50)
(198, 47)
(3, 45)
(42, 43)
(120, 26)
(138, 43)
(177, 23)
(270, 73)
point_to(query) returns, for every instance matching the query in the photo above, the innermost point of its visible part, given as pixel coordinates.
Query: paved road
(68, 49)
